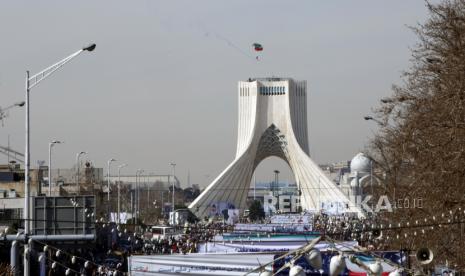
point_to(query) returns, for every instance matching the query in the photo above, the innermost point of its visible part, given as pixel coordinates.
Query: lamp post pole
(138, 172)
(174, 181)
(162, 204)
(132, 203)
(108, 184)
(276, 179)
(135, 198)
(50, 145)
(254, 185)
(32, 81)
(147, 186)
(119, 191)
(108, 178)
(77, 170)
(27, 156)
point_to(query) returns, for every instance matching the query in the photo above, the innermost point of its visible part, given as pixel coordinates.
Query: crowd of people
(340, 227)
(114, 245)
(366, 231)
(188, 238)
(170, 245)
(184, 243)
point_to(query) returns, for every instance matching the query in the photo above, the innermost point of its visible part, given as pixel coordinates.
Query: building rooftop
(269, 79)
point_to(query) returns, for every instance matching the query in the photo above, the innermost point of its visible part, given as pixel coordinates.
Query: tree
(225, 214)
(191, 218)
(256, 211)
(190, 193)
(420, 147)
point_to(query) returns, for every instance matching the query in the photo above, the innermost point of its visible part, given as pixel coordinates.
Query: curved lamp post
(50, 146)
(174, 181)
(371, 118)
(77, 170)
(276, 180)
(138, 172)
(119, 191)
(108, 186)
(32, 81)
(108, 178)
(3, 114)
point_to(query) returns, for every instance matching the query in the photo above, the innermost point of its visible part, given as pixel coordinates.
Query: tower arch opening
(272, 177)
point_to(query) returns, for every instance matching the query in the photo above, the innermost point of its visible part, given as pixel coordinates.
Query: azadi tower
(272, 122)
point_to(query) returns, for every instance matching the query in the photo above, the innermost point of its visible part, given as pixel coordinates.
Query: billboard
(63, 215)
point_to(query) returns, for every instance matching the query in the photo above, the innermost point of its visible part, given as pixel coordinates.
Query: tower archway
(272, 122)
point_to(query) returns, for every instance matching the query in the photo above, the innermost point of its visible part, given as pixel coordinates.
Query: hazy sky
(161, 85)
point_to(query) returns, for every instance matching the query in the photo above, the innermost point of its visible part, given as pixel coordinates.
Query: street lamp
(386, 100)
(254, 185)
(50, 145)
(162, 204)
(147, 186)
(108, 178)
(77, 170)
(276, 179)
(119, 190)
(174, 180)
(30, 83)
(2, 110)
(138, 172)
(368, 118)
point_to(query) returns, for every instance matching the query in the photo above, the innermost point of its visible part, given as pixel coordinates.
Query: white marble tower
(272, 122)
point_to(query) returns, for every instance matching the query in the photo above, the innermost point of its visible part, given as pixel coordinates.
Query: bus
(164, 232)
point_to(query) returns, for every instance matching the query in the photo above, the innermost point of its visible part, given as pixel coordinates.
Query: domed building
(352, 183)
(354, 178)
(360, 163)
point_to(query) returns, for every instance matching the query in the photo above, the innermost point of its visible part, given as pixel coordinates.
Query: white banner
(197, 264)
(292, 219)
(273, 227)
(248, 246)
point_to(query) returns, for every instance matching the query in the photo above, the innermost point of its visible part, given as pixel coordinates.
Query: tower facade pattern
(272, 121)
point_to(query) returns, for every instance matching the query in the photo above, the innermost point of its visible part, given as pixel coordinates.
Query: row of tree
(420, 146)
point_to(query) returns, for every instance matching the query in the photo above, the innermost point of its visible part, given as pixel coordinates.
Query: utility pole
(32, 81)
(77, 170)
(147, 186)
(254, 185)
(108, 192)
(50, 145)
(276, 179)
(137, 202)
(8, 151)
(174, 181)
(119, 191)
